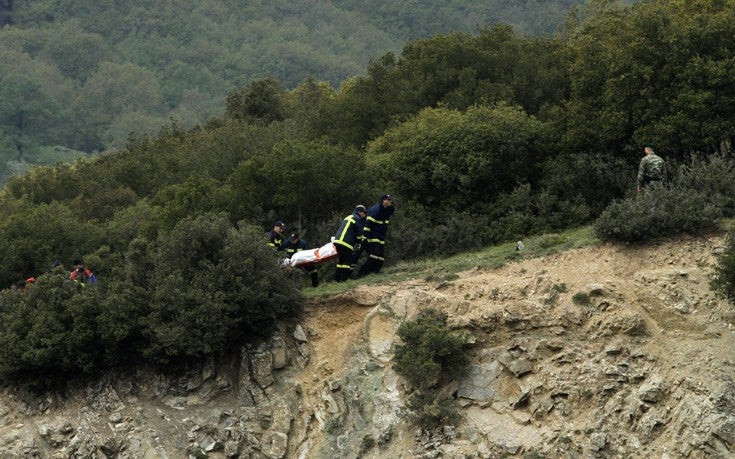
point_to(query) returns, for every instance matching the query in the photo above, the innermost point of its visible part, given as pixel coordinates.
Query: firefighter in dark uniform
(376, 228)
(360, 246)
(346, 239)
(275, 236)
(296, 244)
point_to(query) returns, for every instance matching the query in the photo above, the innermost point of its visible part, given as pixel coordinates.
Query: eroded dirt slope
(642, 364)
(645, 368)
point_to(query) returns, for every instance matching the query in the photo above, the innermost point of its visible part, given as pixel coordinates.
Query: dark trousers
(356, 256)
(311, 269)
(343, 263)
(376, 257)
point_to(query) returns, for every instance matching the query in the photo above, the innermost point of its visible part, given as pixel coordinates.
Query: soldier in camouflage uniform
(651, 168)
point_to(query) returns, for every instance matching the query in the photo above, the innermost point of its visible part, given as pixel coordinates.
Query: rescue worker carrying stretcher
(376, 228)
(346, 240)
(296, 244)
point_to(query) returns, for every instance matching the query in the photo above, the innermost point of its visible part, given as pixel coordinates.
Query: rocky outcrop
(604, 353)
(236, 407)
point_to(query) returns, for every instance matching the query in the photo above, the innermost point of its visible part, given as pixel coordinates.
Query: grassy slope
(446, 269)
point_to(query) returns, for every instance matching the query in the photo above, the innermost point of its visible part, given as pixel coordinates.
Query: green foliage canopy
(652, 72)
(500, 131)
(193, 291)
(430, 351)
(447, 158)
(181, 58)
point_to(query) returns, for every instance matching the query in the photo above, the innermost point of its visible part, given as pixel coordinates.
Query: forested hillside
(481, 137)
(77, 76)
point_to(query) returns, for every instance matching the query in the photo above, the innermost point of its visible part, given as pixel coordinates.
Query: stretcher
(312, 256)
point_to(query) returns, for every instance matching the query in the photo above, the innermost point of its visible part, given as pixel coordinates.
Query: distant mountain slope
(83, 74)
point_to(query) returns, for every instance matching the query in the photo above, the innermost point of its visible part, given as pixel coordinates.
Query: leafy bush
(550, 240)
(34, 236)
(527, 211)
(658, 211)
(49, 330)
(429, 411)
(724, 281)
(368, 442)
(212, 285)
(454, 160)
(714, 177)
(429, 350)
(588, 180)
(581, 299)
(430, 354)
(196, 290)
(446, 231)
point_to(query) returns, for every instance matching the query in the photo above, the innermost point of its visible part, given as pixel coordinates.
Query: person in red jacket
(81, 275)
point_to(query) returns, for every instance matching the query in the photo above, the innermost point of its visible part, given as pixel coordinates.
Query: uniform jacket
(293, 247)
(376, 226)
(275, 240)
(650, 169)
(350, 231)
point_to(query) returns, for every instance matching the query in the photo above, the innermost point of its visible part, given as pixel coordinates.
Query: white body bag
(312, 256)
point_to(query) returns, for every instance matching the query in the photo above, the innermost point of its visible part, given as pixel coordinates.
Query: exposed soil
(605, 351)
(650, 311)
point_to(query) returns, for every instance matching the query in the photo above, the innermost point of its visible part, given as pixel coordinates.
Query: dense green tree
(299, 181)
(259, 102)
(213, 284)
(460, 160)
(653, 72)
(194, 197)
(111, 90)
(456, 71)
(28, 105)
(35, 236)
(49, 331)
(198, 53)
(307, 106)
(77, 54)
